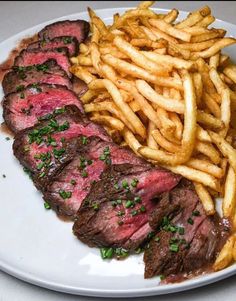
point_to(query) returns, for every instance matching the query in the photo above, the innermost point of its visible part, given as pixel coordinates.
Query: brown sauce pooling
(6, 66)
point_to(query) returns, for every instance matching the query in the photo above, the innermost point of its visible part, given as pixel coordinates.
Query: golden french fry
(198, 85)
(88, 96)
(215, 34)
(131, 140)
(194, 17)
(150, 140)
(195, 175)
(168, 60)
(178, 125)
(139, 59)
(82, 73)
(138, 72)
(205, 198)
(230, 71)
(164, 143)
(170, 30)
(145, 4)
(124, 107)
(209, 120)
(197, 46)
(208, 150)
(226, 255)
(225, 110)
(172, 105)
(148, 43)
(95, 57)
(202, 135)
(214, 61)
(215, 48)
(226, 149)
(159, 34)
(212, 105)
(171, 16)
(205, 166)
(229, 201)
(109, 121)
(206, 21)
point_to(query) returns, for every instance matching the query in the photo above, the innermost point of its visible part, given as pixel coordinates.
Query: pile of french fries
(164, 88)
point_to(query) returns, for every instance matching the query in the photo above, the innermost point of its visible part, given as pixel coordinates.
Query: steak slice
(115, 212)
(70, 43)
(187, 240)
(76, 178)
(79, 86)
(49, 73)
(22, 109)
(48, 146)
(78, 29)
(28, 57)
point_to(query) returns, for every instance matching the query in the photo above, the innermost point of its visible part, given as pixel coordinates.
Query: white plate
(37, 247)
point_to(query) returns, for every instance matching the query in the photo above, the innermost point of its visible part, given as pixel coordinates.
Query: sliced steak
(48, 146)
(30, 57)
(49, 73)
(70, 43)
(86, 167)
(22, 109)
(115, 212)
(187, 239)
(79, 86)
(78, 29)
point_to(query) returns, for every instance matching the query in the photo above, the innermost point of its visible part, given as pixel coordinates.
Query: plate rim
(199, 281)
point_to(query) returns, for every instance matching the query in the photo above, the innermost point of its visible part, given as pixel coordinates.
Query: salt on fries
(165, 89)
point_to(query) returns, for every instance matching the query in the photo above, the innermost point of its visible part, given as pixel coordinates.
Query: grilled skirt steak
(70, 43)
(21, 110)
(28, 57)
(78, 29)
(47, 147)
(115, 212)
(77, 177)
(186, 239)
(48, 73)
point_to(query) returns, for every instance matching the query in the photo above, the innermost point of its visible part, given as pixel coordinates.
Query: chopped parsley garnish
(65, 194)
(120, 223)
(58, 152)
(106, 156)
(116, 186)
(67, 40)
(106, 253)
(125, 184)
(162, 277)
(150, 235)
(129, 204)
(134, 212)
(84, 174)
(7, 138)
(121, 252)
(36, 86)
(47, 206)
(157, 239)
(137, 199)
(42, 67)
(22, 95)
(142, 208)
(59, 111)
(120, 213)
(42, 175)
(119, 202)
(95, 206)
(174, 248)
(4, 176)
(196, 213)
(20, 88)
(134, 182)
(40, 165)
(181, 230)
(190, 221)
(73, 182)
(84, 140)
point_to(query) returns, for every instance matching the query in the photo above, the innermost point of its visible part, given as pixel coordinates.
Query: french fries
(166, 90)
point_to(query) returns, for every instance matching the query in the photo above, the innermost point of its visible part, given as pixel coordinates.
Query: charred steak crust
(49, 73)
(22, 109)
(71, 43)
(171, 251)
(105, 217)
(28, 57)
(47, 153)
(77, 28)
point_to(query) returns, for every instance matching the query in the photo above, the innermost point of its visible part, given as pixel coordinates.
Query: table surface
(16, 16)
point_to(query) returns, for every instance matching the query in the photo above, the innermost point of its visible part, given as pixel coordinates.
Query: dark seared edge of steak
(70, 43)
(79, 86)
(47, 147)
(115, 212)
(49, 72)
(186, 240)
(92, 158)
(28, 57)
(77, 28)
(22, 109)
